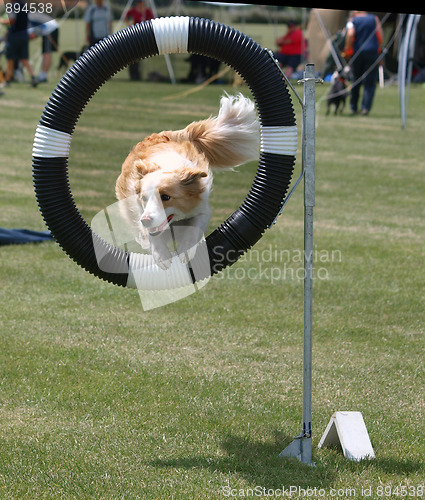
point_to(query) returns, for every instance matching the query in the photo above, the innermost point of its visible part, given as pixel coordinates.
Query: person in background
(49, 44)
(17, 42)
(363, 42)
(137, 14)
(292, 47)
(98, 18)
(44, 26)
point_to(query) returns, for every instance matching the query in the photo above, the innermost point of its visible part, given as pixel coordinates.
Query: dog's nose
(146, 220)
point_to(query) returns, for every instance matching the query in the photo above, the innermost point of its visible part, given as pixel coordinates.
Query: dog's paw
(162, 259)
(143, 240)
(186, 255)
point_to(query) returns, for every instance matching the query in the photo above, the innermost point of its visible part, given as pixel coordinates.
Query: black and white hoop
(167, 35)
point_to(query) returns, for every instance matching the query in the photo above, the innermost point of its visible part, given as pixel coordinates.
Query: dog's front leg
(188, 234)
(160, 251)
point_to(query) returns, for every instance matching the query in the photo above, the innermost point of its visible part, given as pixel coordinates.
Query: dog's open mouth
(154, 231)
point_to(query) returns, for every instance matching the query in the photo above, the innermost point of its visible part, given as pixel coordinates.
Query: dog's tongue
(161, 227)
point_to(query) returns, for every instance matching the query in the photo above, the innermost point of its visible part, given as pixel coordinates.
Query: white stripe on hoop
(171, 34)
(279, 140)
(51, 143)
(145, 274)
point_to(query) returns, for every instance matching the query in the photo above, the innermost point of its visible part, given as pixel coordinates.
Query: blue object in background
(20, 236)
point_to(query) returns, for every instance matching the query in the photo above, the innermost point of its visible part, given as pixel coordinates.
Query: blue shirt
(20, 16)
(99, 19)
(365, 34)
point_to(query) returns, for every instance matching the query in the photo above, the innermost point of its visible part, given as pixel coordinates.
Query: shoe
(34, 81)
(353, 112)
(42, 77)
(365, 112)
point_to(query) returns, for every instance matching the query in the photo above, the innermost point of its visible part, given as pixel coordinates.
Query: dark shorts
(293, 61)
(17, 46)
(49, 43)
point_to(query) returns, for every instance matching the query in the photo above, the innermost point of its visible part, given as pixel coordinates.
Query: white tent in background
(322, 26)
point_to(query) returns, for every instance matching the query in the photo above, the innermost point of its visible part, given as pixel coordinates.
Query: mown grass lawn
(100, 399)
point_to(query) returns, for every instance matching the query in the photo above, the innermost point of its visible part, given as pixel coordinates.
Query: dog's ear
(139, 155)
(144, 167)
(189, 176)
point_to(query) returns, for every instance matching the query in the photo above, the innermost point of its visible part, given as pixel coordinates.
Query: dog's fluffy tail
(228, 140)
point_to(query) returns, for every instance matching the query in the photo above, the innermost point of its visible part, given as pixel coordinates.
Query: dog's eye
(165, 197)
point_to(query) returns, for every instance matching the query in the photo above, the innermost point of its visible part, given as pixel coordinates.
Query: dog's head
(166, 181)
(167, 195)
(345, 74)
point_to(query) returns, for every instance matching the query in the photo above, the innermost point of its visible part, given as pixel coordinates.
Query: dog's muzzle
(155, 231)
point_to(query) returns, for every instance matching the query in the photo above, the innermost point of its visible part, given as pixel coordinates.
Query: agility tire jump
(160, 36)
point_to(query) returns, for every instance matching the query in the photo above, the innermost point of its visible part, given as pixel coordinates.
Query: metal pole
(301, 446)
(406, 65)
(309, 202)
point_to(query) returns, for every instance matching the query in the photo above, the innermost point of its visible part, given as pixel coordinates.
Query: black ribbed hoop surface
(50, 155)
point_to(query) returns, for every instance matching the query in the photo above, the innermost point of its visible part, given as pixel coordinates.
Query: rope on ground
(197, 88)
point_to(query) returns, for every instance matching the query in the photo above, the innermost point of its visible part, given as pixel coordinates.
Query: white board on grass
(348, 429)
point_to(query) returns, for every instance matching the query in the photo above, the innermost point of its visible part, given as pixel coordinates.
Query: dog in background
(337, 94)
(166, 179)
(66, 58)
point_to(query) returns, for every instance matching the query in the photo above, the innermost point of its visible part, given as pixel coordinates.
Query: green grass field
(195, 400)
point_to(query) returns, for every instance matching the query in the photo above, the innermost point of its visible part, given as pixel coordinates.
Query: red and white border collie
(166, 178)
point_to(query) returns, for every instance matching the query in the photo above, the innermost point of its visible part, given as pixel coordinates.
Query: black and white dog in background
(338, 92)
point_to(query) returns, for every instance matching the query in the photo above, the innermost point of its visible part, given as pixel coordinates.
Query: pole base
(300, 448)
